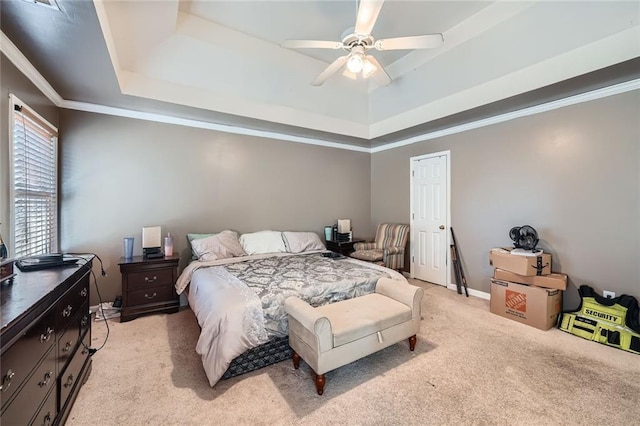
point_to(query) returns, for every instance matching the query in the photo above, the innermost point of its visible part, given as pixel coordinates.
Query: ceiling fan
(358, 43)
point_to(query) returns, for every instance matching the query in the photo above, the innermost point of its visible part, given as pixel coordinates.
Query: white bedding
(230, 313)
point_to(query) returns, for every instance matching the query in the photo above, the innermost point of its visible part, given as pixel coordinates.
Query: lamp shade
(151, 237)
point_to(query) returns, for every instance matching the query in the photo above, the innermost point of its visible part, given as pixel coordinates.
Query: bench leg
(320, 381)
(296, 360)
(412, 342)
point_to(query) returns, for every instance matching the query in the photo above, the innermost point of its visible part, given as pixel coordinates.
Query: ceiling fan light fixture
(368, 69)
(356, 62)
(349, 74)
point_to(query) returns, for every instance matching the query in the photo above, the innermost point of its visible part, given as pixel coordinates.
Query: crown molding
(24, 66)
(161, 118)
(537, 109)
(22, 63)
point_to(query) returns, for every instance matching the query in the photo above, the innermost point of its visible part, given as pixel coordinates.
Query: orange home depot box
(553, 280)
(534, 306)
(521, 265)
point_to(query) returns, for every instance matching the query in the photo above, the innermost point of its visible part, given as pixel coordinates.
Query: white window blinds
(34, 184)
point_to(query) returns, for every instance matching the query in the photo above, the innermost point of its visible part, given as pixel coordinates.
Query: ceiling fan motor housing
(353, 40)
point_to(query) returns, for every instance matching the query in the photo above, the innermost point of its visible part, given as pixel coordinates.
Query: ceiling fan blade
(380, 76)
(311, 44)
(367, 15)
(330, 70)
(416, 42)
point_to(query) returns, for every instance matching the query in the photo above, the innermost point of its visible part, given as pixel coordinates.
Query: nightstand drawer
(150, 278)
(151, 295)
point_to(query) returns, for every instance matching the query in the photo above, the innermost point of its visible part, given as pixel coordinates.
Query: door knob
(441, 227)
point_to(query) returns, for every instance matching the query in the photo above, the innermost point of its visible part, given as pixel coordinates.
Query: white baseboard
(451, 286)
(472, 292)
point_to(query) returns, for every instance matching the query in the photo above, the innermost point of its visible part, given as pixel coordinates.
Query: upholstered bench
(330, 336)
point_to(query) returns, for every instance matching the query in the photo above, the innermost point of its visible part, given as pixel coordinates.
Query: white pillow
(297, 242)
(263, 242)
(218, 246)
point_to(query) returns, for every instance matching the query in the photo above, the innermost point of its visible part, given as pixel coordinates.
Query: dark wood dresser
(148, 286)
(46, 330)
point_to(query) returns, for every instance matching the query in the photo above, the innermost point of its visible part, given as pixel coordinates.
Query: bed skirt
(273, 351)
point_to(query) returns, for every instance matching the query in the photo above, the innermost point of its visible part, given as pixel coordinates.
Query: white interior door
(429, 217)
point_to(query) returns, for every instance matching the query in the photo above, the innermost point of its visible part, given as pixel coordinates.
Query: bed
(239, 300)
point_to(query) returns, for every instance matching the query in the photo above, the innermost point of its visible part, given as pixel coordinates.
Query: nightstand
(343, 247)
(148, 286)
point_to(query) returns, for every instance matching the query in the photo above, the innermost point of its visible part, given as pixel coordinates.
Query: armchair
(388, 247)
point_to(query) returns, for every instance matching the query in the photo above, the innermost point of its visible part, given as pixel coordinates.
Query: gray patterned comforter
(239, 302)
(313, 278)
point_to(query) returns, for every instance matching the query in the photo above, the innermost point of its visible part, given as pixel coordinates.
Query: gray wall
(572, 173)
(13, 81)
(120, 174)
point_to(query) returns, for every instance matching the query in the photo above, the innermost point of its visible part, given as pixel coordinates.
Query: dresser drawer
(71, 302)
(151, 295)
(85, 320)
(26, 403)
(150, 278)
(69, 340)
(17, 362)
(71, 374)
(47, 413)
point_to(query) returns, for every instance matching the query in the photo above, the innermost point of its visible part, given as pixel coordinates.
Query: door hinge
(413, 215)
(413, 173)
(413, 259)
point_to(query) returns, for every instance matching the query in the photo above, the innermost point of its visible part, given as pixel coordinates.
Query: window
(34, 182)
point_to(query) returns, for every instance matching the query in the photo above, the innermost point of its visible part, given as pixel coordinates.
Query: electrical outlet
(609, 294)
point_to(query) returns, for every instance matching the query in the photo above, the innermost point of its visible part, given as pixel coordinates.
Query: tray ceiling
(225, 56)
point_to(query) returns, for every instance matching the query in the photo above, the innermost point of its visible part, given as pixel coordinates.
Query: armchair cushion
(364, 246)
(372, 255)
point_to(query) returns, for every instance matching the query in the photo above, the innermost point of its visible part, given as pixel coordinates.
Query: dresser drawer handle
(6, 380)
(83, 292)
(47, 420)
(150, 280)
(84, 322)
(66, 312)
(69, 381)
(44, 337)
(46, 379)
(67, 347)
(152, 296)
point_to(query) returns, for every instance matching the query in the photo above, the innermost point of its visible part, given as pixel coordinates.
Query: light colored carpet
(469, 367)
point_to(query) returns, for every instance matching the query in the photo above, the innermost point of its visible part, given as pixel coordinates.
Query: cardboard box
(553, 280)
(521, 265)
(534, 306)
